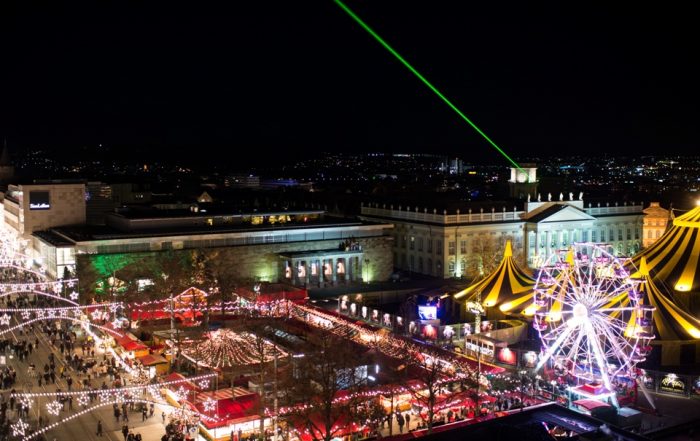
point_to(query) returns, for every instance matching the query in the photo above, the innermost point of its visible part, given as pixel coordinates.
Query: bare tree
(315, 382)
(433, 373)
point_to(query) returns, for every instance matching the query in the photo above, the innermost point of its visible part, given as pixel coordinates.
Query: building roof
(536, 423)
(507, 285)
(673, 259)
(83, 233)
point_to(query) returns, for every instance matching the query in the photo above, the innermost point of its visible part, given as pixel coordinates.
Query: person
(163, 416)
(408, 421)
(401, 421)
(125, 431)
(99, 427)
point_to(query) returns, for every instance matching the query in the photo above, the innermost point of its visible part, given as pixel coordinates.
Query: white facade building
(455, 244)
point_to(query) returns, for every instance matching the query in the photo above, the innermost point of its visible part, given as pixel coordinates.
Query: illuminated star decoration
(54, 408)
(117, 324)
(18, 429)
(40, 314)
(209, 405)
(83, 400)
(26, 402)
(74, 295)
(96, 314)
(204, 384)
(26, 315)
(104, 396)
(5, 319)
(181, 393)
(63, 313)
(51, 313)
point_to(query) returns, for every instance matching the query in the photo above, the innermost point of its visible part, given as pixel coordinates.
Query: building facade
(468, 243)
(34, 207)
(655, 223)
(279, 246)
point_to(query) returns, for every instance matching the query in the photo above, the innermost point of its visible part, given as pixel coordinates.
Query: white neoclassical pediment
(560, 213)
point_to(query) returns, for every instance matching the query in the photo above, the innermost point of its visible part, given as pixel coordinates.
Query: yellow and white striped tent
(507, 286)
(673, 259)
(670, 321)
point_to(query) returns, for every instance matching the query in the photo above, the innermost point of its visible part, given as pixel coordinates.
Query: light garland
(128, 389)
(54, 407)
(83, 400)
(19, 428)
(5, 319)
(225, 348)
(90, 409)
(73, 319)
(209, 405)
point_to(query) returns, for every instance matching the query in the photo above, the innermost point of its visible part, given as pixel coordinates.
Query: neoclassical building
(453, 244)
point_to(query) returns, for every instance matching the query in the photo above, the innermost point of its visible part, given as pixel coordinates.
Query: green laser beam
(425, 81)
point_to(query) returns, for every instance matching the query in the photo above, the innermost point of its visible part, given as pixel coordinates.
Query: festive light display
(589, 315)
(19, 428)
(53, 316)
(54, 407)
(108, 392)
(225, 348)
(75, 415)
(5, 319)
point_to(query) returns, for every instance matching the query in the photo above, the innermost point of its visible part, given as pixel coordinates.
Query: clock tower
(523, 181)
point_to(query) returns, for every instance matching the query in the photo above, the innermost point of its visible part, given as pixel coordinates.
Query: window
(619, 234)
(430, 245)
(403, 261)
(636, 232)
(420, 244)
(658, 233)
(463, 247)
(412, 243)
(438, 247)
(451, 266)
(611, 235)
(629, 233)
(451, 248)
(650, 235)
(412, 259)
(420, 264)
(602, 235)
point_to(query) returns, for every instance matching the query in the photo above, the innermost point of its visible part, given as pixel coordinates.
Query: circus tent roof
(670, 321)
(507, 286)
(673, 259)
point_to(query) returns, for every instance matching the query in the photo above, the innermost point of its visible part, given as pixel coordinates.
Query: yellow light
(506, 306)
(693, 332)
(683, 288)
(489, 304)
(530, 310)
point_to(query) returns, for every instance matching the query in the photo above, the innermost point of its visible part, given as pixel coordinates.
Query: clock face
(521, 177)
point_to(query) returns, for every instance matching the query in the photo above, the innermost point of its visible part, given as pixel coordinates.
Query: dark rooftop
(80, 233)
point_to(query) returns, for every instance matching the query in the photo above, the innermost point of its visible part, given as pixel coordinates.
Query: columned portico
(322, 267)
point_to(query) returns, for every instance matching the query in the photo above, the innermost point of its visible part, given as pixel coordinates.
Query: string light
(54, 407)
(19, 428)
(225, 348)
(5, 319)
(128, 389)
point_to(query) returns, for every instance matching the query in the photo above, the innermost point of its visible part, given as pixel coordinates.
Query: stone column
(548, 245)
(537, 242)
(334, 270)
(307, 267)
(349, 269)
(560, 238)
(295, 272)
(359, 269)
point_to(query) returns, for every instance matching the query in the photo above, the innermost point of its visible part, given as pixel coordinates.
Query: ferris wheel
(591, 318)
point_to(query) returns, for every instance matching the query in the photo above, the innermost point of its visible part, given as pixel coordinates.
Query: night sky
(270, 80)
